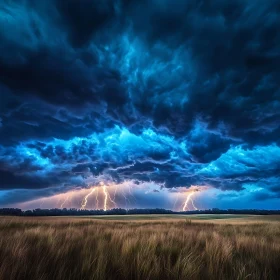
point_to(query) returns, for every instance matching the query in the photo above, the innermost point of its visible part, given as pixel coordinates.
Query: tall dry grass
(76, 248)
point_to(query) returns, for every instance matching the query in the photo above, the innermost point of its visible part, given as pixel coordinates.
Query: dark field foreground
(87, 248)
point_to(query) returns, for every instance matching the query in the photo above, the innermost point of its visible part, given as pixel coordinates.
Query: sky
(140, 104)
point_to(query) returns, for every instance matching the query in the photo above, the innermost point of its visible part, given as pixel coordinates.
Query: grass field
(140, 247)
(212, 218)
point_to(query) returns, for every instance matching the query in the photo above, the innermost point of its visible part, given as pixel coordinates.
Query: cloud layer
(178, 94)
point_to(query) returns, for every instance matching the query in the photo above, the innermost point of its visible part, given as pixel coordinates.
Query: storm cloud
(177, 93)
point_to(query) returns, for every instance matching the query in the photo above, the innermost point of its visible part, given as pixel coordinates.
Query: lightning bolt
(65, 200)
(176, 200)
(126, 199)
(97, 200)
(105, 197)
(115, 192)
(193, 204)
(112, 200)
(131, 193)
(189, 199)
(84, 202)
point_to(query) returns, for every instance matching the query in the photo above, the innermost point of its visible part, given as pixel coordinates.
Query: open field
(212, 218)
(140, 247)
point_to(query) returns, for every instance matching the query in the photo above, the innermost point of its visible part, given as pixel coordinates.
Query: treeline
(120, 211)
(79, 212)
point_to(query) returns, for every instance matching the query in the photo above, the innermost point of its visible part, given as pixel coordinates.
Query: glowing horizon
(114, 196)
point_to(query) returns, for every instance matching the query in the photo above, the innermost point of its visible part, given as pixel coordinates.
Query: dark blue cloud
(182, 93)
